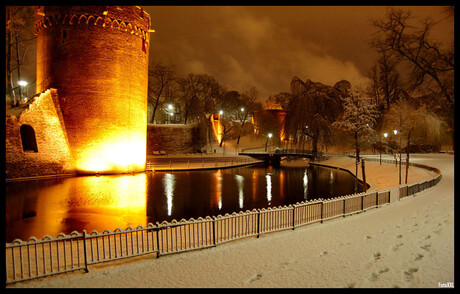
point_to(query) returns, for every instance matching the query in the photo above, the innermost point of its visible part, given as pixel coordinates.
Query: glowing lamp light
(395, 132)
(221, 112)
(22, 83)
(242, 108)
(170, 106)
(385, 135)
(270, 135)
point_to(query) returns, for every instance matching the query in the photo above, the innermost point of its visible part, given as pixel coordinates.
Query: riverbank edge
(202, 168)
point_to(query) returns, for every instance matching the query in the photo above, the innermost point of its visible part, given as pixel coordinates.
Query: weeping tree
(415, 125)
(311, 112)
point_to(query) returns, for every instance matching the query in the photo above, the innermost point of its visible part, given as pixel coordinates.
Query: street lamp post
(266, 143)
(385, 135)
(21, 91)
(170, 112)
(400, 155)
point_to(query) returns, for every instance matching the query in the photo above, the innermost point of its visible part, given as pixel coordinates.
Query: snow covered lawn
(409, 243)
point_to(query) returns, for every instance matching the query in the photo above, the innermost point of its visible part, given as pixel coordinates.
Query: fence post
(293, 217)
(344, 207)
(214, 230)
(158, 240)
(85, 251)
(258, 223)
(322, 208)
(377, 199)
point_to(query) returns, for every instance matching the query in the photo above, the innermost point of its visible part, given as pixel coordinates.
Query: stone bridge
(274, 157)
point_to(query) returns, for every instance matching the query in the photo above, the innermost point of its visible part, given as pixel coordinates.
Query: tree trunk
(8, 68)
(357, 161)
(407, 156)
(314, 147)
(18, 68)
(357, 146)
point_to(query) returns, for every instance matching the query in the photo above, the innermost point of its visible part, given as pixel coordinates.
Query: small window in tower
(41, 10)
(29, 143)
(63, 36)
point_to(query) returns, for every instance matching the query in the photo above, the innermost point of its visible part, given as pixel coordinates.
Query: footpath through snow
(409, 243)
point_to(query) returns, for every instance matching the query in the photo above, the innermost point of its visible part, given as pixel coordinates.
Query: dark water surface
(50, 207)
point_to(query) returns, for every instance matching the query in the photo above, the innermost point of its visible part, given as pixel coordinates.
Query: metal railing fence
(408, 190)
(49, 256)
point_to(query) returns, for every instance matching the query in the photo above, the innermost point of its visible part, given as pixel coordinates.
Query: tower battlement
(130, 19)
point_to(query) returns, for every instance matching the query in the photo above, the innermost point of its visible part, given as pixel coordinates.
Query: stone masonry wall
(172, 138)
(53, 156)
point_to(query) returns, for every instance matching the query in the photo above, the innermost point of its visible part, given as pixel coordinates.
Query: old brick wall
(97, 58)
(53, 156)
(172, 138)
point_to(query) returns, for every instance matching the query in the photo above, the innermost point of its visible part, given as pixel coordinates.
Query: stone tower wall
(97, 58)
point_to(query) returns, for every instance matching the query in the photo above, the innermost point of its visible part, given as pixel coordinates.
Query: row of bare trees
(410, 96)
(196, 97)
(415, 72)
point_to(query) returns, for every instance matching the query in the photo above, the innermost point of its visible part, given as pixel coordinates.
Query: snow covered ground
(409, 243)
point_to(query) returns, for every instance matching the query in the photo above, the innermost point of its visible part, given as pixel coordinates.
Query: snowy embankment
(409, 243)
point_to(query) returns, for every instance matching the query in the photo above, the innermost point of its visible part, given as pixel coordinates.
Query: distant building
(270, 120)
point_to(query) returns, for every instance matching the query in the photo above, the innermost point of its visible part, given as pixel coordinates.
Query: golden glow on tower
(114, 154)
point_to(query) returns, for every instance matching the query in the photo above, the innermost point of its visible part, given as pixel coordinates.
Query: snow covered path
(409, 243)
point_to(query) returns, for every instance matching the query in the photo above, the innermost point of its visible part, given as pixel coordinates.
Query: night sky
(266, 46)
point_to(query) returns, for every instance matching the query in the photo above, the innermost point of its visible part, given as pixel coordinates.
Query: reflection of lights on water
(269, 188)
(305, 184)
(219, 188)
(240, 184)
(331, 183)
(169, 183)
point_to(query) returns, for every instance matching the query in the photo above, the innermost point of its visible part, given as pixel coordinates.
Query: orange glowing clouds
(266, 46)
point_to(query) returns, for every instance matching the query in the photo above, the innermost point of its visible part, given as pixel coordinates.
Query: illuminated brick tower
(97, 59)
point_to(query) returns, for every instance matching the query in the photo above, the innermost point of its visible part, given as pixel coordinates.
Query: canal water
(50, 207)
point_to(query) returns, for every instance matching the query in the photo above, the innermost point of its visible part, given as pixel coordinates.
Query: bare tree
(248, 103)
(19, 24)
(358, 119)
(161, 78)
(431, 66)
(199, 95)
(386, 83)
